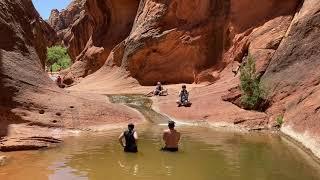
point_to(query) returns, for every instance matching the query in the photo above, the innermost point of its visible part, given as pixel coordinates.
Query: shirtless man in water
(171, 138)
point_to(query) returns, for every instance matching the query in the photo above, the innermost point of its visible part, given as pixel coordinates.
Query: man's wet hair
(131, 126)
(184, 86)
(171, 124)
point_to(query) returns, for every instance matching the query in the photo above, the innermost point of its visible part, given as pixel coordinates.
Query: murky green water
(205, 154)
(142, 104)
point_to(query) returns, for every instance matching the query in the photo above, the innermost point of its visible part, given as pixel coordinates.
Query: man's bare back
(171, 138)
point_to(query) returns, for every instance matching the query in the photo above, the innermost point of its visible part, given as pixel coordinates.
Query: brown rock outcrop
(62, 21)
(28, 143)
(100, 27)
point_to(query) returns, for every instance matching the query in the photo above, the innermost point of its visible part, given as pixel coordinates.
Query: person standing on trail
(171, 137)
(131, 137)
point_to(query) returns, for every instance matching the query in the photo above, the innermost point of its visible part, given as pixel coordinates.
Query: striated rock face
(23, 42)
(293, 77)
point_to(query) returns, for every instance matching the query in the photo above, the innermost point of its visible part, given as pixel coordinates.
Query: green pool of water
(206, 154)
(141, 103)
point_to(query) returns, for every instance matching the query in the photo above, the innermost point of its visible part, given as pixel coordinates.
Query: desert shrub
(252, 91)
(279, 121)
(57, 59)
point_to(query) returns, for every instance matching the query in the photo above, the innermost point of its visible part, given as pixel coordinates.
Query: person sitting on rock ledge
(131, 138)
(159, 91)
(59, 82)
(184, 97)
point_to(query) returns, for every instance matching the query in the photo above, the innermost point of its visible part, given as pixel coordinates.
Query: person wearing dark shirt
(131, 137)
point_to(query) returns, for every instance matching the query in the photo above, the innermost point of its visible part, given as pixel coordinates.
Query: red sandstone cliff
(195, 37)
(62, 21)
(95, 31)
(293, 77)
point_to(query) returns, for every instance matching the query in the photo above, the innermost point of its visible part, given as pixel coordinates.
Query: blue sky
(44, 7)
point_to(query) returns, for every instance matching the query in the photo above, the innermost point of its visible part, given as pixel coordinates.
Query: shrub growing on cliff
(279, 121)
(252, 92)
(57, 59)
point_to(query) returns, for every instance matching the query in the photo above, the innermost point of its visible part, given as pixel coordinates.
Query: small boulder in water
(3, 160)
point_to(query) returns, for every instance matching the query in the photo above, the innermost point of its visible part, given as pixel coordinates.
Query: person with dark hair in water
(131, 137)
(171, 138)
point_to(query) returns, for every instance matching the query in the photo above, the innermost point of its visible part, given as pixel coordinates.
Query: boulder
(3, 160)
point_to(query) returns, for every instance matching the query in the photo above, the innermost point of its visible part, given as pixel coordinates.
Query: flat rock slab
(27, 143)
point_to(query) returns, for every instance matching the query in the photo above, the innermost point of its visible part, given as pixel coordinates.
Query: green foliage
(279, 121)
(58, 58)
(252, 92)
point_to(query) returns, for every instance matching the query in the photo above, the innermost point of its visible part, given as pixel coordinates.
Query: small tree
(58, 58)
(252, 93)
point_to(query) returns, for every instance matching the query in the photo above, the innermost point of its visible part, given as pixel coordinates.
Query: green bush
(57, 59)
(252, 92)
(279, 121)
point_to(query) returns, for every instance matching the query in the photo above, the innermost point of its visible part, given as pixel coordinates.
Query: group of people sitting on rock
(171, 138)
(183, 95)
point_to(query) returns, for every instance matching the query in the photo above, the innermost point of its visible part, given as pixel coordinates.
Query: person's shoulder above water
(166, 131)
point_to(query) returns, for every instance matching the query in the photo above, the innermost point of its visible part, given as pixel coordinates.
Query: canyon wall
(176, 41)
(193, 40)
(293, 77)
(62, 21)
(100, 27)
